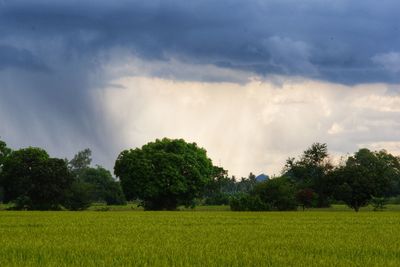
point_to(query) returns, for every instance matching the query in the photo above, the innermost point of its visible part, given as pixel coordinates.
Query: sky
(253, 82)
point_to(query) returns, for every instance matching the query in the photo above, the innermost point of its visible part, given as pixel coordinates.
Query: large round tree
(164, 174)
(365, 175)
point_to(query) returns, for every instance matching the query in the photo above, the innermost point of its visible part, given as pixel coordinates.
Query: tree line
(312, 180)
(168, 173)
(32, 180)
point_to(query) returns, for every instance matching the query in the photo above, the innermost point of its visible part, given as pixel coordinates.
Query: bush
(22, 203)
(378, 203)
(103, 187)
(246, 202)
(114, 195)
(78, 196)
(394, 200)
(1, 194)
(218, 199)
(274, 194)
(306, 198)
(279, 193)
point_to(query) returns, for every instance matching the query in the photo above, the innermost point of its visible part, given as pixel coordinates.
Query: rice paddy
(204, 238)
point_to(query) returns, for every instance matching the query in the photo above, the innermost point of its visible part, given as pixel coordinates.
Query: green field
(206, 238)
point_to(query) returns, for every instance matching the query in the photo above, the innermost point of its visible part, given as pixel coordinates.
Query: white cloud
(336, 128)
(393, 147)
(379, 102)
(252, 126)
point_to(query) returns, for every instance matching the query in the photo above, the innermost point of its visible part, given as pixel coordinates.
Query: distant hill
(262, 177)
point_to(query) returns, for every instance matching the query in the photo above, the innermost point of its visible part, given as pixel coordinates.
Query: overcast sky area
(253, 82)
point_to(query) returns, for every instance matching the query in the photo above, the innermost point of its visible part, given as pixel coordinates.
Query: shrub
(247, 202)
(279, 193)
(306, 197)
(378, 203)
(218, 199)
(78, 196)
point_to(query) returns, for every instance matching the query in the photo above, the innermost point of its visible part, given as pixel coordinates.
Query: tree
(78, 196)
(114, 195)
(316, 154)
(98, 181)
(364, 175)
(165, 173)
(391, 171)
(273, 194)
(4, 152)
(279, 193)
(311, 171)
(33, 180)
(215, 192)
(305, 197)
(247, 184)
(81, 161)
(102, 186)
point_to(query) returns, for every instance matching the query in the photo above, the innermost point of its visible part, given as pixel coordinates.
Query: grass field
(207, 238)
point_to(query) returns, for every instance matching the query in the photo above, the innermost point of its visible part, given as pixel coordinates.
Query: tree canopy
(310, 171)
(81, 160)
(98, 182)
(4, 152)
(165, 173)
(363, 176)
(278, 193)
(33, 180)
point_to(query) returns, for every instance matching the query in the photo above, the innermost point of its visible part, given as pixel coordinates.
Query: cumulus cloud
(254, 126)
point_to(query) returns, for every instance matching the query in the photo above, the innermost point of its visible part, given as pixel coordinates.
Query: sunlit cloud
(254, 126)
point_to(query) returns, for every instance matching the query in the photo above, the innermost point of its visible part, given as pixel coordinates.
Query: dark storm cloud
(53, 53)
(329, 40)
(11, 57)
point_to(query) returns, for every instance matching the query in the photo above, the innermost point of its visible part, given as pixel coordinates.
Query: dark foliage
(306, 197)
(274, 194)
(78, 196)
(33, 180)
(378, 203)
(364, 175)
(222, 188)
(165, 173)
(311, 171)
(4, 152)
(247, 202)
(278, 193)
(101, 186)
